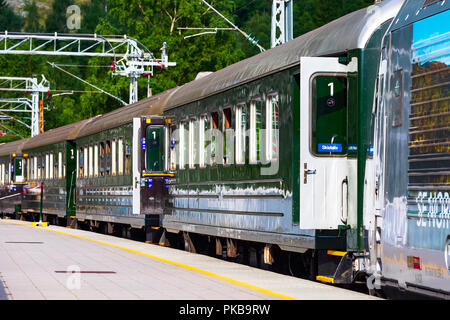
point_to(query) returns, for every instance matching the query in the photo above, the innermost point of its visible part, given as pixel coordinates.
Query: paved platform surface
(56, 263)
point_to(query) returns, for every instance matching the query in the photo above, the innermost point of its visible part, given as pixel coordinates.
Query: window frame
(213, 125)
(60, 165)
(311, 149)
(181, 145)
(253, 136)
(120, 156)
(269, 127)
(240, 135)
(228, 128)
(202, 152)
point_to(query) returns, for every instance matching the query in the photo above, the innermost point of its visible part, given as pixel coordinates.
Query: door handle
(306, 172)
(344, 200)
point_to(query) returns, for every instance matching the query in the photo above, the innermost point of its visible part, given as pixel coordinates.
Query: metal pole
(133, 89)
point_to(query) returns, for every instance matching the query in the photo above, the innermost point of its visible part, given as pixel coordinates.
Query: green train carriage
(12, 177)
(250, 193)
(51, 164)
(122, 170)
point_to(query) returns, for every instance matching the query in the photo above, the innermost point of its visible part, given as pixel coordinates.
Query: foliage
(152, 22)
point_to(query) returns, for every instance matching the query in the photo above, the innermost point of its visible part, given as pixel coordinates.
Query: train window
(18, 170)
(96, 160)
(155, 149)
(127, 157)
(91, 161)
(63, 163)
(29, 169)
(202, 142)
(397, 98)
(193, 142)
(428, 2)
(173, 139)
(46, 175)
(214, 137)
(228, 136)
(272, 132)
(329, 115)
(113, 158)
(78, 163)
(85, 165)
(108, 158)
(102, 159)
(181, 147)
(255, 131)
(241, 124)
(120, 156)
(429, 118)
(60, 164)
(35, 168)
(41, 170)
(52, 168)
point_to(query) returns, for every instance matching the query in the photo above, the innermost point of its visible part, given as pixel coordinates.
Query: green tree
(57, 19)
(9, 20)
(32, 18)
(152, 23)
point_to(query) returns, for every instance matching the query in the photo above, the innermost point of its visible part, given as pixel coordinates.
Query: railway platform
(56, 263)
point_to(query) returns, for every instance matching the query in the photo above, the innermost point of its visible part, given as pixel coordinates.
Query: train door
(153, 167)
(17, 170)
(151, 179)
(327, 176)
(71, 177)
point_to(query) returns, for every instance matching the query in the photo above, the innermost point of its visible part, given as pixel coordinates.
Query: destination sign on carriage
(330, 147)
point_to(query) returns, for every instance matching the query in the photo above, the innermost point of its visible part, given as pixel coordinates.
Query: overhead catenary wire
(9, 129)
(82, 65)
(84, 81)
(247, 36)
(211, 31)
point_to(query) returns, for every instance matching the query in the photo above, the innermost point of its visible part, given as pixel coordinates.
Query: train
(326, 157)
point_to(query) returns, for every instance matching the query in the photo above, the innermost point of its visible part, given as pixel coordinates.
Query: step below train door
(327, 176)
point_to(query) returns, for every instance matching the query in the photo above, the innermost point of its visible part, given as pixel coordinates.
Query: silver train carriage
(408, 180)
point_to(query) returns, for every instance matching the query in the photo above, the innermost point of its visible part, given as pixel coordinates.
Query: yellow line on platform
(240, 283)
